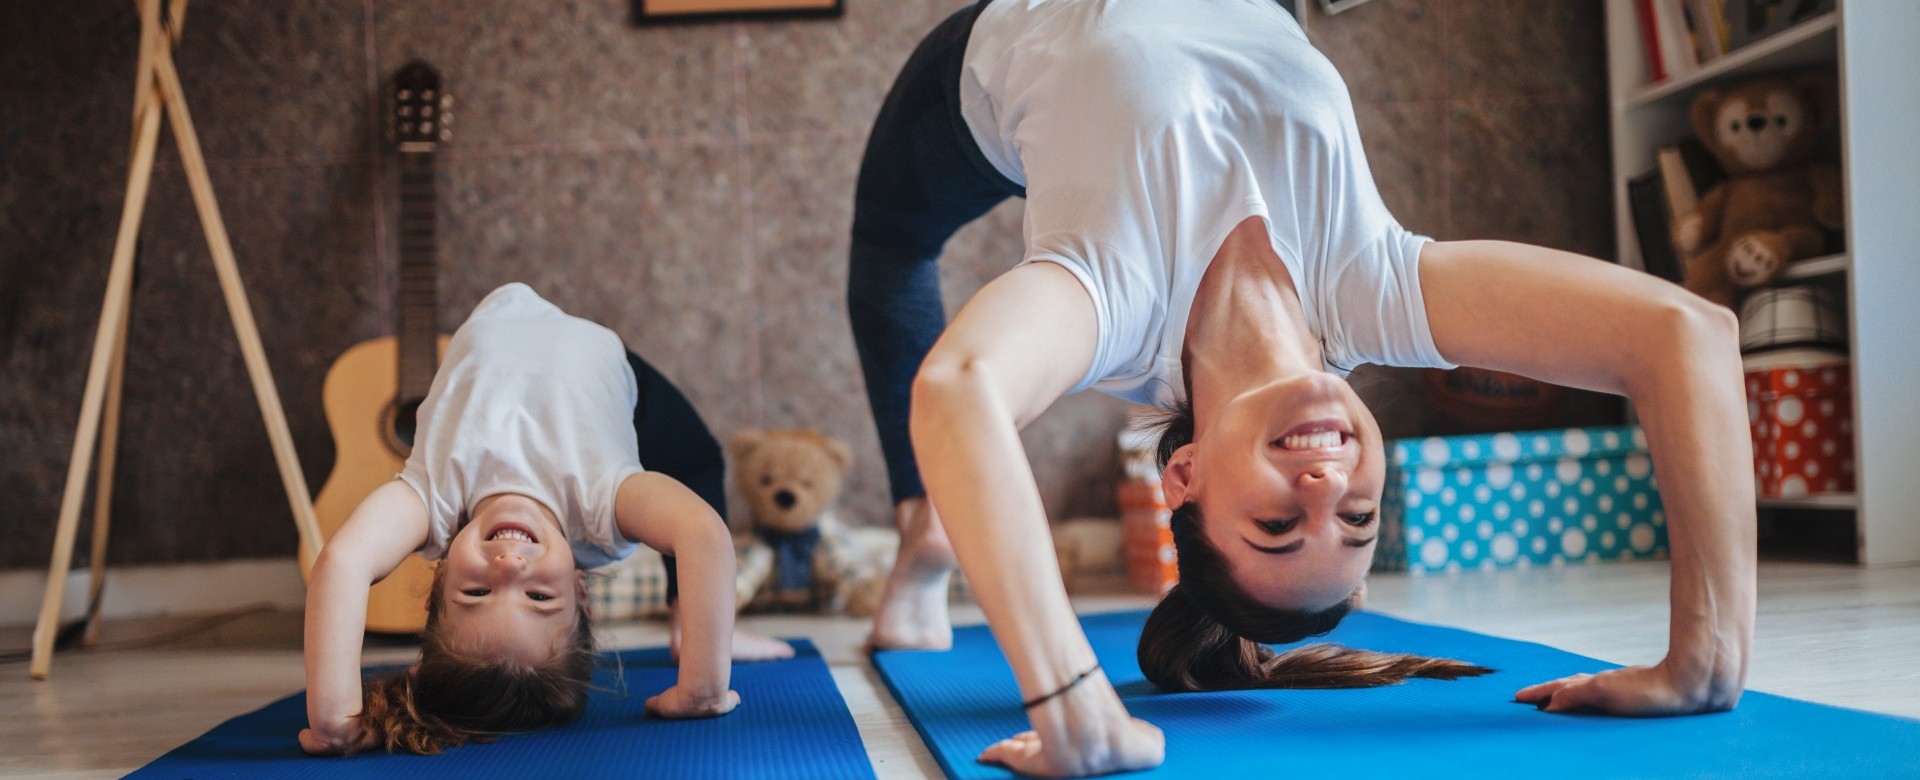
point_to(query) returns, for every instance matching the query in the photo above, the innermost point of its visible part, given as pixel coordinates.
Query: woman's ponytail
(1183, 648)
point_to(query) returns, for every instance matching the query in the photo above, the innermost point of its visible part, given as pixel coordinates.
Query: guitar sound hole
(400, 428)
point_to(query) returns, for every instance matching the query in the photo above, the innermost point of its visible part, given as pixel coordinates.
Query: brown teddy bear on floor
(1775, 202)
(796, 555)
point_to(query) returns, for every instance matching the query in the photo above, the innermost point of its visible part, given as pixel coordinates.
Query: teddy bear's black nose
(784, 498)
(1756, 123)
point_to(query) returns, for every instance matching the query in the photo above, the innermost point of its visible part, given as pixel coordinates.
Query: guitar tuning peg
(446, 133)
(446, 101)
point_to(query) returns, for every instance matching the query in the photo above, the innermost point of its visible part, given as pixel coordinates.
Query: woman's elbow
(1683, 332)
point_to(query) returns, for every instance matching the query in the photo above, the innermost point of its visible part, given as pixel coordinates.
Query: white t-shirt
(1146, 130)
(533, 401)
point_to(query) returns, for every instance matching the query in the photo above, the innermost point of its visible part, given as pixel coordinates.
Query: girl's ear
(1177, 480)
(580, 592)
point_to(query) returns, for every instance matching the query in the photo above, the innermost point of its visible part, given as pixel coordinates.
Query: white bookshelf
(1869, 45)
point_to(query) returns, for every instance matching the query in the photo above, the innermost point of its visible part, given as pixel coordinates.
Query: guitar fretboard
(418, 295)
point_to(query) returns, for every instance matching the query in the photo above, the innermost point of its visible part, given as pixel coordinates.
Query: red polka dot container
(1802, 422)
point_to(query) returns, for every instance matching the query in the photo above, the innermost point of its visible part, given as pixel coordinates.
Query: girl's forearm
(705, 552)
(1694, 410)
(335, 621)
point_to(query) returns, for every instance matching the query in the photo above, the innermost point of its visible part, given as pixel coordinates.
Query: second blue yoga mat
(791, 723)
(964, 700)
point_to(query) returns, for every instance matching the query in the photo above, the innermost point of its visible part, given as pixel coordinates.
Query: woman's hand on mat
(1125, 744)
(1636, 691)
(682, 702)
(337, 740)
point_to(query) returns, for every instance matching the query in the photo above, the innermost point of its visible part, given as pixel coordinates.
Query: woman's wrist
(1091, 701)
(1708, 675)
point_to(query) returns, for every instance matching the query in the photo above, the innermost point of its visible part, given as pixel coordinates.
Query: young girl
(527, 470)
(1203, 234)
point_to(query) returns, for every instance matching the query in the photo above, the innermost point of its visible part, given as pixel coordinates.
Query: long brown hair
(1208, 634)
(452, 697)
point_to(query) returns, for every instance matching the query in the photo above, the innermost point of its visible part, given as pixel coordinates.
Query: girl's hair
(1208, 634)
(453, 697)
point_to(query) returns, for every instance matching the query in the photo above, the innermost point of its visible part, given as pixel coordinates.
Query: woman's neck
(1247, 328)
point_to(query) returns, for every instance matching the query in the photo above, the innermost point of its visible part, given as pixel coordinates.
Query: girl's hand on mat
(1135, 745)
(336, 741)
(1637, 691)
(679, 702)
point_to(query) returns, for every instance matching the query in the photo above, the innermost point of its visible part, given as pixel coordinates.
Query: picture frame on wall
(678, 11)
(1336, 6)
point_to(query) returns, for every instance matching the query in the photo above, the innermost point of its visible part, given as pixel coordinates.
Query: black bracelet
(1063, 689)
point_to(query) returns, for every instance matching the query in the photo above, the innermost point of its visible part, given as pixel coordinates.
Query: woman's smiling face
(1288, 481)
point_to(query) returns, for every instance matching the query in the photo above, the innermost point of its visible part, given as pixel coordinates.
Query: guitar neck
(418, 326)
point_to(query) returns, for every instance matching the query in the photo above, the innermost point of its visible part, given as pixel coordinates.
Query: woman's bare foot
(913, 613)
(747, 645)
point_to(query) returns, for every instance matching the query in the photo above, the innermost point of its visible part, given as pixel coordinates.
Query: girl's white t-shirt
(1146, 130)
(528, 400)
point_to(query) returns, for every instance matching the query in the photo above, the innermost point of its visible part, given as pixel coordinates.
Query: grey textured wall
(689, 186)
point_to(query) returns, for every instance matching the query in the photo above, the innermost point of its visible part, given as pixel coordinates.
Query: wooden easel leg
(201, 184)
(144, 94)
(113, 313)
(103, 485)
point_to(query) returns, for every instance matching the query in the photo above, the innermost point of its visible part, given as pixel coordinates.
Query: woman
(1203, 234)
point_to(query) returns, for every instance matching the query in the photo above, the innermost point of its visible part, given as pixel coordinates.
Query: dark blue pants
(921, 179)
(675, 442)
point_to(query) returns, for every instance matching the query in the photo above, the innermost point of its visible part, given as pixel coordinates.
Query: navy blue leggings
(921, 179)
(675, 442)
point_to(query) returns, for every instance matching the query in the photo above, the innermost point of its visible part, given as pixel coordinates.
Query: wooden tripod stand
(156, 90)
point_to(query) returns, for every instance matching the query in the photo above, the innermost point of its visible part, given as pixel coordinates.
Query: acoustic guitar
(374, 389)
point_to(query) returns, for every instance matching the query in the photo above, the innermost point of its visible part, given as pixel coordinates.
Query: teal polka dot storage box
(1519, 500)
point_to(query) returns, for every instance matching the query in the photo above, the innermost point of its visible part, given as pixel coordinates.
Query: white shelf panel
(1815, 267)
(1810, 41)
(1824, 501)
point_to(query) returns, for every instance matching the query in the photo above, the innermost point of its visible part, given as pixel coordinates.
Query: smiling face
(1288, 478)
(510, 589)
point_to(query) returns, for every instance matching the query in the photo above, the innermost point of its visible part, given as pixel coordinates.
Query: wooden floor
(1827, 632)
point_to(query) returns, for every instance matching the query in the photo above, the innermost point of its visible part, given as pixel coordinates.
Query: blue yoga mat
(791, 723)
(964, 700)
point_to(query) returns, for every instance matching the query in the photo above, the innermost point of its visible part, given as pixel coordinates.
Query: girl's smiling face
(510, 588)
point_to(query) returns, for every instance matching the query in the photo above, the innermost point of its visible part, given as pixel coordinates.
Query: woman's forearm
(1591, 324)
(1693, 407)
(979, 480)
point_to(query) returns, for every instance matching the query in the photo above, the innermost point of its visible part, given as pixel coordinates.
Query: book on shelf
(1668, 22)
(1647, 202)
(1650, 41)
(1688, 171)
(1681, 35)
(1660, 198)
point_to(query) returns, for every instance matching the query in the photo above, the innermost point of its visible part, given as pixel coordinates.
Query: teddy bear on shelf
(795, 554)
(1776, 203)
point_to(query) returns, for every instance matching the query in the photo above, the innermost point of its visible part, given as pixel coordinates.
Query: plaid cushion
(629, 590)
